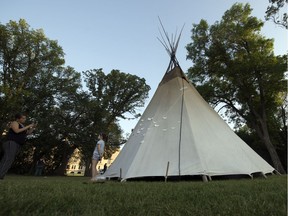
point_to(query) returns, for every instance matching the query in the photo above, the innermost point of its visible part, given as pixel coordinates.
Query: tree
(235, 66)
(28, 63)
(33, 80)
(273, 12)
(112, 96)
(116, 92)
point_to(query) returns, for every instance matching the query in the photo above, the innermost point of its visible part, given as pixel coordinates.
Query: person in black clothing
(16, 138)
(105, 168)
(39, 167)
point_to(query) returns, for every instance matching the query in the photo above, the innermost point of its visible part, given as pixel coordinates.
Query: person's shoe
(98, 179)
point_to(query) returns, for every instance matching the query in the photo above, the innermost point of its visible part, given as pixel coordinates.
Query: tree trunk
(66, 156)
(60, 171)
(88, 168)
(32, 168)
(260, 124)
(264, 136)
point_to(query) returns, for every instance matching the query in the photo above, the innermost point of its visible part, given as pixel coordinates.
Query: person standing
(15, 139)
(98, 154)
(104, 168)
(39, 167)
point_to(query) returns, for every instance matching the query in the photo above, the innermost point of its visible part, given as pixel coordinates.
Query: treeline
(71, 108)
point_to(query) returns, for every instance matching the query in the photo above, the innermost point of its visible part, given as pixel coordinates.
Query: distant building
(109, 161)
(75, 168)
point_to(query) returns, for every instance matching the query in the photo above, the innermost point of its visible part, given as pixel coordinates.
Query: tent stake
(120, 174)
(167, 171)
(277, 173)
(263, 175)
(204, 178)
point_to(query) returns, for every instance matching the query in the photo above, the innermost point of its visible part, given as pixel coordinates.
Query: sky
(122, 34)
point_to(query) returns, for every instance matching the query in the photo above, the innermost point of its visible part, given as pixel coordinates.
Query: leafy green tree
(273, 12)
(33, 80)
(54, 127)
(116, 92)
(78, 117)
(112, 96)
(234, 66)
(28, 63)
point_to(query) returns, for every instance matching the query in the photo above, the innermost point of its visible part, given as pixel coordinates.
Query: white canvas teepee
(179, 127)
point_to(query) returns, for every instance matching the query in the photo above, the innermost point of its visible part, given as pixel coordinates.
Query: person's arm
(99, 151)
(15, 127)
(30, 131)
(98, 148)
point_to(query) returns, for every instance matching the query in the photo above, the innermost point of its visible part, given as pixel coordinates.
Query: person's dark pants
(38, 171)
(10, 149)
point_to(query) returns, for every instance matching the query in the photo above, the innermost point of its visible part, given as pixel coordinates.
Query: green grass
(22, 195)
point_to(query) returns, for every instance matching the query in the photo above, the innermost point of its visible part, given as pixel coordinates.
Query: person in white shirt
(98, 154)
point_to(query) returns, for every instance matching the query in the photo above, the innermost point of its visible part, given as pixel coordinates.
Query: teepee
(179, 134)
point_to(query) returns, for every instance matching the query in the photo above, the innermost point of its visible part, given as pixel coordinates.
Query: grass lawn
(22, 195)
